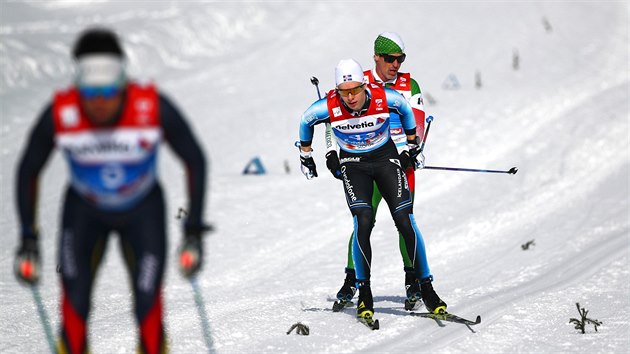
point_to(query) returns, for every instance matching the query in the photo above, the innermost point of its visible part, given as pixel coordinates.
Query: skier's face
(387, 65)
(353, 94)
(102, 109)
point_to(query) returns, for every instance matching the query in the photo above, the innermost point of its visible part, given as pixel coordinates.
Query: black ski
(445, 316)
(369, 322)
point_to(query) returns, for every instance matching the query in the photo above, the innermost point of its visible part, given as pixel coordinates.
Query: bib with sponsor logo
(361, 133)
(402, 84)
(114, 166)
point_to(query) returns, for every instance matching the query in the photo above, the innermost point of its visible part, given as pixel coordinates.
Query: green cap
(389, 43)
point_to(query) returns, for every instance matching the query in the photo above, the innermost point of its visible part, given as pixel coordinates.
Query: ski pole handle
(426, 132)
(315, 83)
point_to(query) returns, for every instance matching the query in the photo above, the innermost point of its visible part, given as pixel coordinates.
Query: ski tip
(478, 319)
(513, 170)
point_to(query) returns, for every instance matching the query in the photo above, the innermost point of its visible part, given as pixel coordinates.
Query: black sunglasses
(391, 58)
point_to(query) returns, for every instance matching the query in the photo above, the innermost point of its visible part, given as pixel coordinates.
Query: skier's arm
(315, 114)
(181, 139)
(417, 105)
(38, 148)
(399, 105)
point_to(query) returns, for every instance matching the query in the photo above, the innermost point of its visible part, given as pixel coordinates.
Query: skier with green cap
(389, 54)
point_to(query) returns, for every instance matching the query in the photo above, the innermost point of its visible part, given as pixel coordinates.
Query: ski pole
(315, 82)
(426, 132)
(43, 318)
(511, 171)
(328, 136)
(203, 317)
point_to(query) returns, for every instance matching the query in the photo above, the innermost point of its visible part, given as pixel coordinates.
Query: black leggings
(84, 237)
(359, 173)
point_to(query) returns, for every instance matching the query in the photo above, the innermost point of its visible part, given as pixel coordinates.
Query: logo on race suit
(69, 116)
(396, 131)
(68, 260)
(144, 107)
(379, 104)
(144, 144)
(355, 126)
(399, 179)
(336, 111)
(100, 148)
(148, 273)
(380, 120)
(349, 159)
(348, 185)
(112, 175)
(311, 117)
(403, 81)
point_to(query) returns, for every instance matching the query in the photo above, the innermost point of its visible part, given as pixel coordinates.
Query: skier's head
(350, 83)
(100, 75)
(389, 54)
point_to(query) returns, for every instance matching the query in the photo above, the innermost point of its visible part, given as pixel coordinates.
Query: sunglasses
(354, 91)
(391, 58)
(106, 92)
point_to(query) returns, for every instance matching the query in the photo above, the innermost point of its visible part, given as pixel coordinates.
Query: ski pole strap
(511, 171)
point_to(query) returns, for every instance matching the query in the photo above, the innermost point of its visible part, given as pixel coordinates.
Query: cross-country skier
(360, 114)
(109, 129)
(389, 54)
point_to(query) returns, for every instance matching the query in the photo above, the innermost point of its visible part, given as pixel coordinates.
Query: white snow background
(240, 72)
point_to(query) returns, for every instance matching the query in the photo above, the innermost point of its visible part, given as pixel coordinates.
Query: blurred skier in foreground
(360, 114)
(109, 129)
(389, 54)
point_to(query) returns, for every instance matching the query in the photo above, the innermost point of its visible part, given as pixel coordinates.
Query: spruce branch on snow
(581, 323)
(302, 329)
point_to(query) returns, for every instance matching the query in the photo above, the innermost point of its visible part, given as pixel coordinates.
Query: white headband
(100, 70)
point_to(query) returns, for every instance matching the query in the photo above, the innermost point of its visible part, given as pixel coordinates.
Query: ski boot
(365, 307)
(347, 291)
(431, 300)
(413, 291)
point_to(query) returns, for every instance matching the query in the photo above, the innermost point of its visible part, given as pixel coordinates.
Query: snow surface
(240, 71)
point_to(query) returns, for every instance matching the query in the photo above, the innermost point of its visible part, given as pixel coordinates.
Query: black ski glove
(191, 250)
(308, 164)
(405, 159)
(27, 264)
(332, 162)
(416, 156)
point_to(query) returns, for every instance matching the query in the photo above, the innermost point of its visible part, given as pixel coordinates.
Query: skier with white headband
(109, 129)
